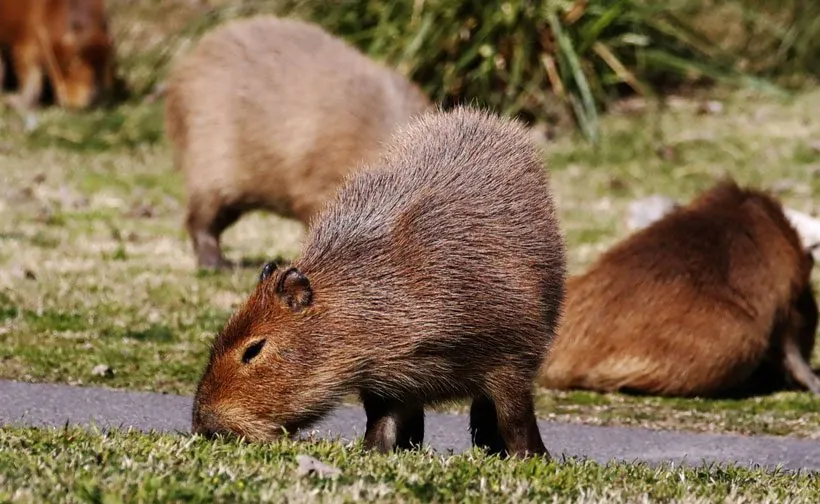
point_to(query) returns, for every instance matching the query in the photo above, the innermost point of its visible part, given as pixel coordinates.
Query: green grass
(79, 466)
(98, 270)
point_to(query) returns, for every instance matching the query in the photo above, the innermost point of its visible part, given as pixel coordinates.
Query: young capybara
(269, 113)
(714, 299)
(436, 274)
(67, 41)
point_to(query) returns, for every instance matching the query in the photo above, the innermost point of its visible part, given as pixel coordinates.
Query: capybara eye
(252, 351)
(267, 271)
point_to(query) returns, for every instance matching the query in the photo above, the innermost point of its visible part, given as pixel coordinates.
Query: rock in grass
(645, 211)
(309, 466)
(102, 370)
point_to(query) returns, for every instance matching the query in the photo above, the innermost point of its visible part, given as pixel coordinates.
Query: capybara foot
(518, 426)
(392, 426)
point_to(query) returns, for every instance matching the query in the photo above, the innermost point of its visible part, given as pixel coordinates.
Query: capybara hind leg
(484, 426)
(516, 421)
(205, 226)
(392, 425)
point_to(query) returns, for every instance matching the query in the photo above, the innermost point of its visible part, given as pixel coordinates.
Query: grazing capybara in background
(269, 113)
(67, 41)
(714, 299)
(436, 274)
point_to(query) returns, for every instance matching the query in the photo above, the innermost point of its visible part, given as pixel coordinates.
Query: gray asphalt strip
(53, 405)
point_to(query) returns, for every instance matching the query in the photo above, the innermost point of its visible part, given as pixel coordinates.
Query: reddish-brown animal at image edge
(67, 41)
(714, 299)
(435, 274)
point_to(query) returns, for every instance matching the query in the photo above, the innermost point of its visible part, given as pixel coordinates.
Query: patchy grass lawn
(98, 270)
(79, 466)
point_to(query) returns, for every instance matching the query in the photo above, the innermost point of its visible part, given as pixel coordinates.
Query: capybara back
(713, 299)
(269, 113)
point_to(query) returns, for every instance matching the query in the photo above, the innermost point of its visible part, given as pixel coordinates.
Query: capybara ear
(294, 290)
(267, 270)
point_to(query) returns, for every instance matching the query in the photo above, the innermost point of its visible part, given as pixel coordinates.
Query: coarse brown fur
(436, 274)
(65, 40)
(269, 113)
(712, 300)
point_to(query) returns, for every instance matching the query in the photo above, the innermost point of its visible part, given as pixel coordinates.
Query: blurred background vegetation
(560, 63)
(536, 59)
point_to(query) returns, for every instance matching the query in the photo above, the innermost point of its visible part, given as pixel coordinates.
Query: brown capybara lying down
(435, 274)
(714, 299)
(269, 113)
(65, 40)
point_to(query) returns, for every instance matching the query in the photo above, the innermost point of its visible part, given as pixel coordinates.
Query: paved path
(56, 405)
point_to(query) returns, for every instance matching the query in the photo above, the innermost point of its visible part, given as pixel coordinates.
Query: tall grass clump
(775, 39)
(524, 57)
(518, 57)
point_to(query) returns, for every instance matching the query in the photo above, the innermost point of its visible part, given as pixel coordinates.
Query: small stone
(309, 466)
(30, 123)
(710, 107)
(141, 211)
(783, 185)
(102, 370)
(645, 211)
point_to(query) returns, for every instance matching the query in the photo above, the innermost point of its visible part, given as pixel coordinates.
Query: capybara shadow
(271, 114)
(712, 300)
(436, 273)
(62, 45)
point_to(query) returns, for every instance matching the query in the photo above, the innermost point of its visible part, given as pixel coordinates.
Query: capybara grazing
(714, 299)
(436, 273)
(269, 113)
(65, 40)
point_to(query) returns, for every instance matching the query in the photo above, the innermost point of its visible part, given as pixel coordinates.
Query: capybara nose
(206, 423)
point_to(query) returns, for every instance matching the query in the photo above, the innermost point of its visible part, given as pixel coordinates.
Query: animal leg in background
(25, 58)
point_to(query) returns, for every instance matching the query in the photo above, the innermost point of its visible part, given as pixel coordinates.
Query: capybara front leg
(26, 62)
(484, 426)
(516, 421)
(392, 425)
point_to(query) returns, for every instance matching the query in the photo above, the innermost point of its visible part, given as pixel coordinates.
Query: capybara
(436, 273)
(269, 113)
(712, 300)
(65, 40)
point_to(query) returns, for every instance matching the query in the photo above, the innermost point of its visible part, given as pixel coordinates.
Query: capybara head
(85, 55)
(259, 371)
